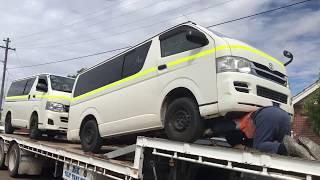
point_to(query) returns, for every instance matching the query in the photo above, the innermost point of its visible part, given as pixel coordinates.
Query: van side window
(43, 80)
(17, 88)
(175, 41)
(134, 60)
(28, 86)
(99, 76)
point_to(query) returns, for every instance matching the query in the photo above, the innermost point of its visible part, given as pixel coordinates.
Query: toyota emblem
(271, 66)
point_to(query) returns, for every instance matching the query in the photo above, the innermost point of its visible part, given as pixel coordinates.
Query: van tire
(34, 132)
(183, 121)
(8, 129)
(90, 136)
(13, 160)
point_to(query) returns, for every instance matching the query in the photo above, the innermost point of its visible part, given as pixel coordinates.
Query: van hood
(60, 97)
(244, 50)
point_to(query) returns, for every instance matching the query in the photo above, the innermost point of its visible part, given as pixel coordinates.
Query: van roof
(132, 47)
(42, 74)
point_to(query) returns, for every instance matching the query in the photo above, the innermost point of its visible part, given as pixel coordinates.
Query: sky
(45, 30)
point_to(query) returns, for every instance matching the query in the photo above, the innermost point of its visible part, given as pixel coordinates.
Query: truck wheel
(183, 121)
(8, 129)
(34, 131)
(13, 160)
(90, 137)
(2, 154)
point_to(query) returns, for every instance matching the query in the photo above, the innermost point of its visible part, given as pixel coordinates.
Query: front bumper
(230, 99)
(55, 121)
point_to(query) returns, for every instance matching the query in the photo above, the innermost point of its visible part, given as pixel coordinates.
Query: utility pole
(7, 48)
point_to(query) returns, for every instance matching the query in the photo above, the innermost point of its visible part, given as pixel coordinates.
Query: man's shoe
(311, 146)
(295, 149)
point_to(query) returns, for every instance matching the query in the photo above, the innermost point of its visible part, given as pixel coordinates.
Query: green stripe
(16, 97)
(177, 62)
(38, 96)
(169, 64)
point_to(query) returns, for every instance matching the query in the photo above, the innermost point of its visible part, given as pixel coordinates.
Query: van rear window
(21, 87)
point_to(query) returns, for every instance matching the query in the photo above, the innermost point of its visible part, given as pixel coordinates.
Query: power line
(257, 14)
(85, 17)
(133, 29)
(19, 61)
(99, 22)
(218, 24)
(71, 59)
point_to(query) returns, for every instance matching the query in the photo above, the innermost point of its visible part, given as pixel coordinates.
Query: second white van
(39, 103)
(177, 81)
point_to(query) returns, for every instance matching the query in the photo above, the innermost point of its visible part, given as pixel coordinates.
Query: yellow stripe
(54, 97)
(38, 96)
(177, 62)
(16, 97)
(257, 52)
(142, 73)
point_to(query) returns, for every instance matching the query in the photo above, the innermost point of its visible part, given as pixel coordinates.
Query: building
(301, 125)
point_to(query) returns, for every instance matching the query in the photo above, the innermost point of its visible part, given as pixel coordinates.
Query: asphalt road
(4, 175)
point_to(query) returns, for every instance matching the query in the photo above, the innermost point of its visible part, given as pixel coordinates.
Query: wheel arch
(85, 119)
(34, 112)
(6, 114)
(175, 93)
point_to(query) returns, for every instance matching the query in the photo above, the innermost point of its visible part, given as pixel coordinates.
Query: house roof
(306, 91)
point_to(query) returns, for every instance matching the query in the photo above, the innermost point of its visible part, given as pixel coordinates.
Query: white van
(176, 81)
(39, 103)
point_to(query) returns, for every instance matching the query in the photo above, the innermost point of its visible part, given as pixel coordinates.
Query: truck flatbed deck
(256, 163)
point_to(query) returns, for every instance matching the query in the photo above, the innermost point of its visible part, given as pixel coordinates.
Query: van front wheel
(90, 136)
(34, 130)
(183, 121)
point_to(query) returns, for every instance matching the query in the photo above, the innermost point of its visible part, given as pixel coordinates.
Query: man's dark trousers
(272, 124)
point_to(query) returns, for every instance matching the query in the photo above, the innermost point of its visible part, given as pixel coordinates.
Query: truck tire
(8, 129)
(13, 160)
(90, 136)
(183, 121)
(2, 154)
(34, 132)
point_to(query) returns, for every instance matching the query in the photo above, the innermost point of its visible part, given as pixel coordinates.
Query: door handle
(162, 67)
(29, 96)
(34, 96)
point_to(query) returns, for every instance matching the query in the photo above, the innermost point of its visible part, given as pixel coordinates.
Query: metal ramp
(269, 165)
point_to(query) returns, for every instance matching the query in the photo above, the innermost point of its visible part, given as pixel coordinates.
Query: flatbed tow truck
(148, 158)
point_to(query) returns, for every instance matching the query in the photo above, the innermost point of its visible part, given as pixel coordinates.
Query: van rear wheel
(183, 121)
(8, 129)
(90, 136)
(34, 131)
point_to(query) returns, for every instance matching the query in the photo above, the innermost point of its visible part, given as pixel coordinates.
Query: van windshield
(59, 83)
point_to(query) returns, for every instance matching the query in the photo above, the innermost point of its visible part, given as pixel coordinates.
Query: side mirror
(289, 55)
(197, 37)
(42, 87)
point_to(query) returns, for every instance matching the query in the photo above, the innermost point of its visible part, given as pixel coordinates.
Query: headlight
(233, 64)
(53, 106)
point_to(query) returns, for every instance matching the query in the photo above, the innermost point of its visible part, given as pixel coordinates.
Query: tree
(312, 109)
(77, 73)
